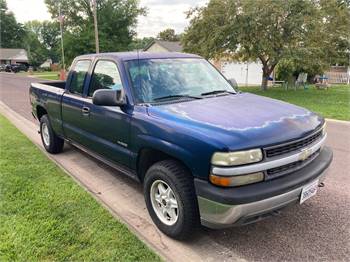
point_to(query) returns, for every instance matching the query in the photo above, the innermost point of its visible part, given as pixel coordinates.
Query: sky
(161, 14)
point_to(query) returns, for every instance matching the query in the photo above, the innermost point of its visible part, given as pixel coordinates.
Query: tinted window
(105, 76)
(78, 77)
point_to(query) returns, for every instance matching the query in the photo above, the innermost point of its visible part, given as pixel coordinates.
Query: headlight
(237, 158)
(229, 181)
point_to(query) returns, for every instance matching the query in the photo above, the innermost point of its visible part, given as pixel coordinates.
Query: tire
(52, 143)
(171, 173)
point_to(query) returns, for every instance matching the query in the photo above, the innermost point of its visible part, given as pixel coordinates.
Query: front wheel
(52, 143)
(170, 199)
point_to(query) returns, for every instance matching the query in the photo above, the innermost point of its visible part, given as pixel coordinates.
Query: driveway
(317, 230)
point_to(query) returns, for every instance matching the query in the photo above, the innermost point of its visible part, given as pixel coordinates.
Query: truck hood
(239, 121)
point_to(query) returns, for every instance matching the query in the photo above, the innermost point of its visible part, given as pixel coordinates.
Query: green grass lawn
(53, 75)
(48, 76)
(45, 215)
(331, 103)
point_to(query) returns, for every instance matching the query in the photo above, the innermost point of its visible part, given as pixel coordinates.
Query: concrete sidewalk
(123, 197)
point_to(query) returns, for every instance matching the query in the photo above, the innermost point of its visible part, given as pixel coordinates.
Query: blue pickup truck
(205, 152)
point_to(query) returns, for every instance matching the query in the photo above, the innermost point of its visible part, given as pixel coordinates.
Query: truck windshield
(157, 79)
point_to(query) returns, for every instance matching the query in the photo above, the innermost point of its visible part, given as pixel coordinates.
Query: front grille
(292, 146)
(291, 167)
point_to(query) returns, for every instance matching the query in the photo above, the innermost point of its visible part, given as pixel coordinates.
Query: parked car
(18, 67)
(7, 68)
(2, 68)
(204, 152)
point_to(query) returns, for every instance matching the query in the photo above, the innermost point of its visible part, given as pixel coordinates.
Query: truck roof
(125, 56)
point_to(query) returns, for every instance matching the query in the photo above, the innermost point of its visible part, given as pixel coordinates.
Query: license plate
(309, 191)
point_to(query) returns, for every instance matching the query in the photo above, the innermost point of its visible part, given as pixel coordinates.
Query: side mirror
(108, 97)
(233, 83)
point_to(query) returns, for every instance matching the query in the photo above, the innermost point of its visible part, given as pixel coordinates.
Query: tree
(168, 35)
(140, 43)
(12, 33)
(42, 41)
(37, 52)
(116, 22)
(268, 30)
(336, 17)
(50, 37)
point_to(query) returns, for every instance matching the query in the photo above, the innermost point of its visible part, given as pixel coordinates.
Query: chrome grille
(283, 170)
(292, 146)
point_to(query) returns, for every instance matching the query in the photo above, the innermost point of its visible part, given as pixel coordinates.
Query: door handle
(85, 110)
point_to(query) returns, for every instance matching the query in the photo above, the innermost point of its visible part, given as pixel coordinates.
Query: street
(317, 230)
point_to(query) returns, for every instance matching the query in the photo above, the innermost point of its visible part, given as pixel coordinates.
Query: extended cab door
(73, 103)
(107, 126)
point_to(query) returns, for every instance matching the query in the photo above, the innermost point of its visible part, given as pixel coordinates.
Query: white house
(46, 64)
(244, 73)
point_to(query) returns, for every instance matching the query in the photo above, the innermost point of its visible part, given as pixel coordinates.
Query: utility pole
(62, 76)
(95, 24)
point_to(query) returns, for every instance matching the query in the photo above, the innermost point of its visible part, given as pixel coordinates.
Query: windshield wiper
(217, 92)
(175, 96)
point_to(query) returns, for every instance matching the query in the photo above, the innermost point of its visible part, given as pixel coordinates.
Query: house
(49, 65)
(163, 46)
(244, 73)
(46, 64)
(13, 56)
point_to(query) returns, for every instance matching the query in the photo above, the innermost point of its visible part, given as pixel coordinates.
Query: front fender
(176, 151)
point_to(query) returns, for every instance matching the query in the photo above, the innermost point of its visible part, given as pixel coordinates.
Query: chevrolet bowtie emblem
(305, 153)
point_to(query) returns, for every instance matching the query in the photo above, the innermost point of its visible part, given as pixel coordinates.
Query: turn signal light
(230, 181)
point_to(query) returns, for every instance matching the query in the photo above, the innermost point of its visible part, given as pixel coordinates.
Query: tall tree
(37, 52)
(117, 20)
(12, 33)
(268, 30)
(168, 35)
(336, 17)
(50, 37)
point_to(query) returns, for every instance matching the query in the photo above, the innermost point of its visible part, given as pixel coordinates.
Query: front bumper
(225, 207)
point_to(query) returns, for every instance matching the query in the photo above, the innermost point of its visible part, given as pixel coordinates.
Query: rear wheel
(52, 143)
(170, 199)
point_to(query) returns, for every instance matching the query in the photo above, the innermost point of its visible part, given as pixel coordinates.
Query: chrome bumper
(217, 215)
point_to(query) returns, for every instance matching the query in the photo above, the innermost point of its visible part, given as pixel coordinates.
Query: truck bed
(47, 96)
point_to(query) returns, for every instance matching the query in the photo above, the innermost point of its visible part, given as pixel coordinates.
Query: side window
(105, 76)
(79, 73)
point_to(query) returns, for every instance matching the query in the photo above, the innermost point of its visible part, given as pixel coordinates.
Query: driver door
(107, 126)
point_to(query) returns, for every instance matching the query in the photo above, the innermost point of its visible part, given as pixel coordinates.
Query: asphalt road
(318, 230)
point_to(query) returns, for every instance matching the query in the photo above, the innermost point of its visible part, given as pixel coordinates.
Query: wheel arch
(40, 111)
(147, 156)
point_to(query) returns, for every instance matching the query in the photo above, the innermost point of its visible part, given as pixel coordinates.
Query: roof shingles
(168, 45)
(13, 54)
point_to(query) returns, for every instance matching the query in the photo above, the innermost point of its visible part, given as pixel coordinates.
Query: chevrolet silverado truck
(205, 152)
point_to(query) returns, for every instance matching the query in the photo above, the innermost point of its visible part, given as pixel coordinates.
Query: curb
(338, 121)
